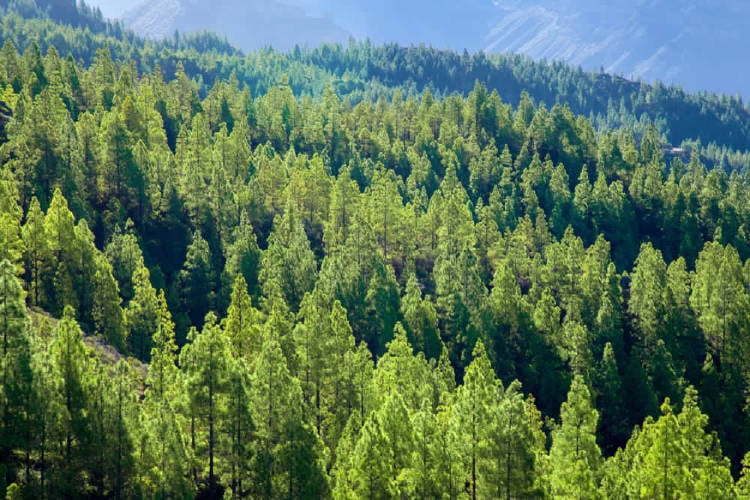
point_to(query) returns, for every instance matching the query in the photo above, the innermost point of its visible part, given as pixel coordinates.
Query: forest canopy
(363, 272)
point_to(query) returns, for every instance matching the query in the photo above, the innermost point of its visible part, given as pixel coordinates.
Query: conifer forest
(363, 272)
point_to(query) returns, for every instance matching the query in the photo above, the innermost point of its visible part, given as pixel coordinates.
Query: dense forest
(363, 272)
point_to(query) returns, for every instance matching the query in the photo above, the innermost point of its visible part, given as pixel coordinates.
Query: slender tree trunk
(666, 469)
(238, 477)
(235, 445)
(163, 454)
(268, 438)
(5, 324)
(192, 443)
(43, 446)
(118, 477)
(211, 418)
(318, 416)
(473, 455)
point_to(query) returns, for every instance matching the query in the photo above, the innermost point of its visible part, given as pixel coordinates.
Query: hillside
(364, 71)
(688, 43)
(362, 273)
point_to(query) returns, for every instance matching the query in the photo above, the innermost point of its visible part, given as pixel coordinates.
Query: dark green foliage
(301, 215)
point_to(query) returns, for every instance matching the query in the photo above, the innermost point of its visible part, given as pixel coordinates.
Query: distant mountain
(113, 8)
(698, 45)
(249, 24)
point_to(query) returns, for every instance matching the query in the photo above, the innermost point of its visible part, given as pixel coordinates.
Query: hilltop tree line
(414, 296)
(715, 126)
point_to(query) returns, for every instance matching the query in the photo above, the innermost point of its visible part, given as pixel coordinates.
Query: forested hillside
(389, 292)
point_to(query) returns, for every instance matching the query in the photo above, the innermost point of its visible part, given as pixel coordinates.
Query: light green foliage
(512, 452)
(276, 400)
(421, 320)
(243, 257)
(196, 281)
(243, 324)
(164, 467)
(109, 321)
(574, 457)
(142, 314)
(328, 207)
(16, 369)
(288, 260)
(11, 242)
(400, 372)
(743, 485)
(472, 414)
(205, 366)
(384, 453)
(72, 371)
(674, 456)
(238, 431)
(59, 229)
(721, 302)
(36, 252)
(124, 253)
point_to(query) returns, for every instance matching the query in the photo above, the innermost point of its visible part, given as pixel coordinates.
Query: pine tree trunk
(211, 419)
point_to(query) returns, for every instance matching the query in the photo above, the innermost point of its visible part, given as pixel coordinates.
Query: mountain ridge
(688, 44)
(273, 23)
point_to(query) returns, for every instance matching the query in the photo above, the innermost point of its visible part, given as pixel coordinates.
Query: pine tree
(59, 229)
(276, 401)
(420, 320)
(71, 371)
(142, 314)
(721, 302)
(371, 472)
(165, 459)
(575, 458)
(512, 450)
(243, 323)
(195, 283)
(36, 253)
(340, 393)
(310, 352)
(674, 456)
(423, 476)
(163, 372)
(743, 485)
(110, 410)
(126, 257)
(472, 414)
(289, 260)
(11, 242)
(205, 366)
(613, 427)
(16, 368)
(400, 372)
(243, 257)
(109, 321)
(239, 429)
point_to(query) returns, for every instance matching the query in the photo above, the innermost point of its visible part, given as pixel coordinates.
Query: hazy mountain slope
(686, 42)
(114, 8)
(694, 44)
(247, 24)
